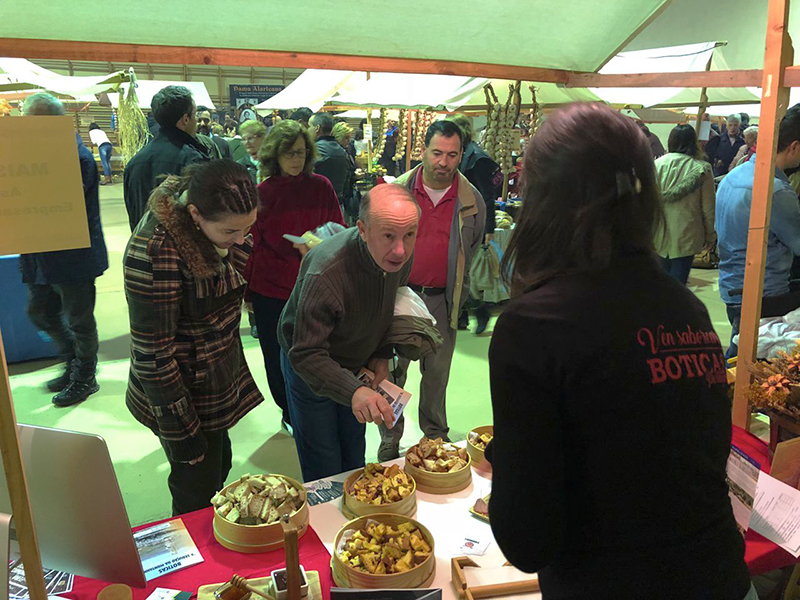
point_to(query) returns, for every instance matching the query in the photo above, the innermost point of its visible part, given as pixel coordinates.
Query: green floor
(259, 445)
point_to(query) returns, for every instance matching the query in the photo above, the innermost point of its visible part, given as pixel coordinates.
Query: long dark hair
(217, 188)
(590, 193)
(683, 140)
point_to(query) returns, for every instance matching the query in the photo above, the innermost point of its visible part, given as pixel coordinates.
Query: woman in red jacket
(293, 200)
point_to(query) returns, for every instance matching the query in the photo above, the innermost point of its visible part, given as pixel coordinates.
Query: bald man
(334, 324)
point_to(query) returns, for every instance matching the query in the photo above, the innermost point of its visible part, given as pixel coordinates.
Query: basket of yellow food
(383, 551)
(438, 467)
(379, 489)
(248, 512)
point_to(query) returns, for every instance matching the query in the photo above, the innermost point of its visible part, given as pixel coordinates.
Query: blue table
(21, 339)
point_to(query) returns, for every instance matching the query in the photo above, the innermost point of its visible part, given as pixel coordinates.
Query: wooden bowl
(251, 539)
(353, 508)
(479, 462)
(440, 483)
(420, 576)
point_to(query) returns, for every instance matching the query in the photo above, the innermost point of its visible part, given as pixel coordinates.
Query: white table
(448, 519)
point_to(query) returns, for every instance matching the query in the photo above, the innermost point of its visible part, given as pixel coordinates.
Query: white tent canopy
(147, 88)
(400, 90)
(18, 74)
(312, 88)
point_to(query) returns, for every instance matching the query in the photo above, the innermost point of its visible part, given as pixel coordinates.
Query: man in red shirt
(453, 216)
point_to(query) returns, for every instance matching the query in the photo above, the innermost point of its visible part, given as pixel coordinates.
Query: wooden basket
(479, 462)
(440, 483)
(419, 577)
(260, 538)
(353, 508)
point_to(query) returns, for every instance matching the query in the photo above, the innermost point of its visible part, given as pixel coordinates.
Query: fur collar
(195, 248)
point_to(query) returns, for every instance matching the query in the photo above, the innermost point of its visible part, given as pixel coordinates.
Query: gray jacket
(469, 220)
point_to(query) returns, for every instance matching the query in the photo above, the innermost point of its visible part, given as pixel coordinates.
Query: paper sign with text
(41, 192)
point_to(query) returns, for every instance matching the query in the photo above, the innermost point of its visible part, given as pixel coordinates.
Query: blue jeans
(677, 267)
(105, 158)
(329, 439)
(735, 317)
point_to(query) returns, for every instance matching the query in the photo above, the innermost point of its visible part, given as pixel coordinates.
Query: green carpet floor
(259, 445)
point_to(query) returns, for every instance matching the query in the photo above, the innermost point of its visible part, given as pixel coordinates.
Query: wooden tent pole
(701, 111)
(774, 101)
(18, 487)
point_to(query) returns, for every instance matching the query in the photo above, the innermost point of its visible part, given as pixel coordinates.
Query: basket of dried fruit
(477, 440)
(248, 512)
(438, 467)
(383, 551)
(378, 489)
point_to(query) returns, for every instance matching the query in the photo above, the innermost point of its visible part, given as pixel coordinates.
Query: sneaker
(75, 393)
(59, 383)
(388, 451)
(482, 315)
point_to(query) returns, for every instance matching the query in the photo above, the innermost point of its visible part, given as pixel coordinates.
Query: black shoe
(482, 315)
(463, 321)
(388, 451)
(75, 393)
(254, 331)
(59, 383)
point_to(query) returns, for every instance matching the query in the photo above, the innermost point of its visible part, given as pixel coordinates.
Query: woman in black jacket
(602, 484)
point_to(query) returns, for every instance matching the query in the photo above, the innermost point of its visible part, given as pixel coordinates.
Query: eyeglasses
(297, 153)
(251, 138)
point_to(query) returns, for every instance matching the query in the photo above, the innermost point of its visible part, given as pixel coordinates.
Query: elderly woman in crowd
(253, 133)
(748, 149)
(293, 200)
(687, 187)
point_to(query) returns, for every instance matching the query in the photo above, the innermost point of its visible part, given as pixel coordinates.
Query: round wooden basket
(419, 577)
(479, 462)
(440, 483)
(352, 508)
(251, 539)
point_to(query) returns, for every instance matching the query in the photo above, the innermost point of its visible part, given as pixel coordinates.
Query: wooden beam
(699, 79)
(143, 53)
(18, 487)
(774, 101)
(703, 100)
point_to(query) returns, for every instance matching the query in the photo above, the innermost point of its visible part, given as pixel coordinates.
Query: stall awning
(312, 88)
(577, 35)
(18, 74)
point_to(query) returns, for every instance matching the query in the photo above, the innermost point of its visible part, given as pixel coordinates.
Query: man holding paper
(334, 324)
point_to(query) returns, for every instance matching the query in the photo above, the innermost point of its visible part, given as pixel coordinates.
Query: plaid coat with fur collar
(188, 370)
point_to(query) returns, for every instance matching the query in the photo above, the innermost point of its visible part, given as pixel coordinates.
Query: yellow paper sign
(42, 207)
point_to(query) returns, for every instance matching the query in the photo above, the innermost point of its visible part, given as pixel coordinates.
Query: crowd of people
(601, 253)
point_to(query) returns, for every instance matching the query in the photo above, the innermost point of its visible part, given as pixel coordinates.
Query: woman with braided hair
(189, 382)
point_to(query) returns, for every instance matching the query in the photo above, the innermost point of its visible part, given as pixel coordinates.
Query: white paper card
(396, 396)
(776, 513)
(742, 477)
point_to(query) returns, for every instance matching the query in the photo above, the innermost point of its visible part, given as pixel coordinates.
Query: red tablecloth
(760, 554)
(219, 563)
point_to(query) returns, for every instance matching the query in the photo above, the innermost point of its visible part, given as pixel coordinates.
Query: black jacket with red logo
(612, 432)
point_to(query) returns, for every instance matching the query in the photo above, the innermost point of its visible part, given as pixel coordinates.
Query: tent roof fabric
(312, 88)
(575, 36)
(19, 74)
(399, 90)
(147, 88)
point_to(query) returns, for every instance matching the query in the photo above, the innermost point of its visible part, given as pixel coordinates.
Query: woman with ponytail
(612, 424)
(189, 381)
